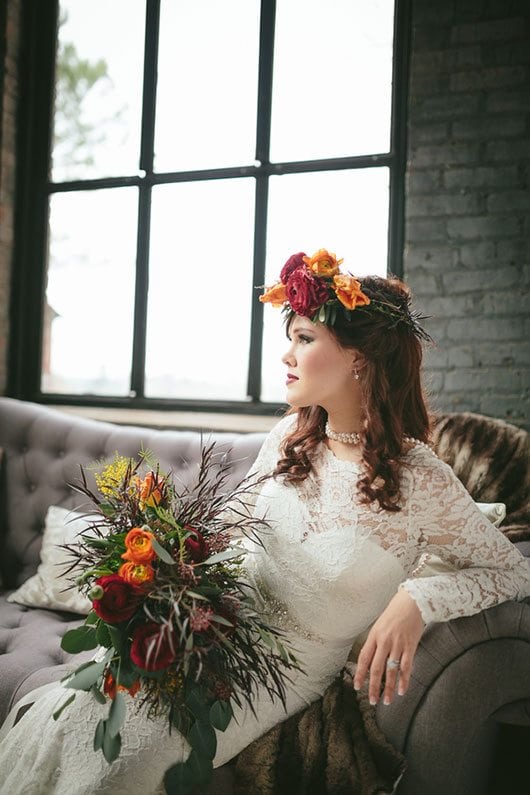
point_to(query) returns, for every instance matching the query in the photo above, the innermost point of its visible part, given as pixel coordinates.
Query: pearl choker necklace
(346, 438)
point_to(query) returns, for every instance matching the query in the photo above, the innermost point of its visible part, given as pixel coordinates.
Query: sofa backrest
(42, 451)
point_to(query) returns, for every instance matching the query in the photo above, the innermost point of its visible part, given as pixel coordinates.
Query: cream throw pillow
(46, 587)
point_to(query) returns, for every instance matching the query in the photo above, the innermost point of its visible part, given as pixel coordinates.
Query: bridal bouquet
(176, 625)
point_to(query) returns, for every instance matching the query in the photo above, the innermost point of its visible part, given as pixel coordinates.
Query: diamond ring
(393, 664)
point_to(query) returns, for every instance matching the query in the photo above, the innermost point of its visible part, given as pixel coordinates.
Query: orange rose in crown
(323, 263)
(349, 292)
(275, 295)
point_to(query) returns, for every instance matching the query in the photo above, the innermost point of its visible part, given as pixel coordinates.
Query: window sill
(176, 420)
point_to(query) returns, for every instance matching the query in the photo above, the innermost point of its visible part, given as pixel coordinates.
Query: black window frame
(35, 119)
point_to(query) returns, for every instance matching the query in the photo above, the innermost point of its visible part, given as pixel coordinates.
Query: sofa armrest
(465, 671)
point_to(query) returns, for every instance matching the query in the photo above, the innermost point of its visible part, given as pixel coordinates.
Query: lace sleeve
(487, 568)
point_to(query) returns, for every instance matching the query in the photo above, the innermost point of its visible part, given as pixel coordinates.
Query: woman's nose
(288, 357)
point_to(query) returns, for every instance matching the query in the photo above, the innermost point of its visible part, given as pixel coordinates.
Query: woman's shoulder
(283, 427)
(271, 445)
(422, 463)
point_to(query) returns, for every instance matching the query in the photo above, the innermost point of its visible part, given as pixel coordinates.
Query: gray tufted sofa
(465, 722)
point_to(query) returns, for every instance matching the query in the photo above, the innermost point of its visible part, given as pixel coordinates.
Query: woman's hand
(394, 637)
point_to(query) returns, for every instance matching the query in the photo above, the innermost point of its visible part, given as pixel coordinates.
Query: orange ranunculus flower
(136, 573)
(110, 688)
(151, 491)
(349, 291)
(139, 546)
(323, 263)
(275, 295)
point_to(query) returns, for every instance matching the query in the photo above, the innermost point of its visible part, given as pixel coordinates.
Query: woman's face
(319, 369)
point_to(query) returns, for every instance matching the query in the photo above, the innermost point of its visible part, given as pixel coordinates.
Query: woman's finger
(363, 663)
(377, 669)
(405, 671)
(392, 673)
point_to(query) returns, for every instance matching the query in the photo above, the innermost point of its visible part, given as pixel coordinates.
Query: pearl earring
(356, 375)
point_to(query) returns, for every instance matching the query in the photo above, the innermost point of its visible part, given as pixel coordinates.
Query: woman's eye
(304, 339)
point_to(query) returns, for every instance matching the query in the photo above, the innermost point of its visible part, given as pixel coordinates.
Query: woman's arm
(488, 569)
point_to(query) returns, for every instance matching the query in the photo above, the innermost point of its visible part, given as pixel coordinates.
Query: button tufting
(31, 487)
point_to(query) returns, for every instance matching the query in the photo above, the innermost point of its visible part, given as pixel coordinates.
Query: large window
(174, 154)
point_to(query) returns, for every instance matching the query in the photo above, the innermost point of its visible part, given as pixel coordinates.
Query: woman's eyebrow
(304, 329)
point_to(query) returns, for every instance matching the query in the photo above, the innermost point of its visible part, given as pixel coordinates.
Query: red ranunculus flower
(119, 600)
(151, 647)
(196, 546)
(305, 292)
(295, 261)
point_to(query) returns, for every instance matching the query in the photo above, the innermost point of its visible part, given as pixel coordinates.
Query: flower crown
(315, 288)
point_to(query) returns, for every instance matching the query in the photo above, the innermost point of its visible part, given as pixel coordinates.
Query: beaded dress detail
(328, 568)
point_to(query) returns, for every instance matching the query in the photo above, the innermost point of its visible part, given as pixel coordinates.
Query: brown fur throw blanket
(492, 459)
(334, 747)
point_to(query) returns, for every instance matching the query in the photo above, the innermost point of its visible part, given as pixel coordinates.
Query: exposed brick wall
(467, 252)
(8, 78)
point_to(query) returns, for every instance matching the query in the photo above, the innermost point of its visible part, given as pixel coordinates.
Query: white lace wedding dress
(329, 569)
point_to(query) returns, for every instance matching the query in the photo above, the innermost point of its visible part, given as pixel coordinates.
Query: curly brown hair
(393, 398)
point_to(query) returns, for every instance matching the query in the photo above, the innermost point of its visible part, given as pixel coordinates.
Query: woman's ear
(358, 361)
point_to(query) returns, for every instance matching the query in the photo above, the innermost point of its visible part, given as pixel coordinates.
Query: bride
(356, 498)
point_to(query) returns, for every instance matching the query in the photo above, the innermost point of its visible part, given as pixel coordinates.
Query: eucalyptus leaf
(283, 653)
(162, 553)
(266, 638)
(116, 638)
(126, 675)
(107, 509)
(222, 620)
(202, 739)
(99, 735)
(111, 747)
(83, 680)
(117, 713)
(77, 670)
(201, 767)
(80, 639)
(197, 704)
(196, 595)
(103, 635)
(92, 618)
(178, 779)
(221, 714)
(228, 554)
(98, 695)
(68, 701)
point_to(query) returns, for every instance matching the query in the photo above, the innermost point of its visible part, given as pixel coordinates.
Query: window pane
(332, 78)
(88, 310)
(207, 84)
(200, 290)
(343, 211)
(98, 97)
